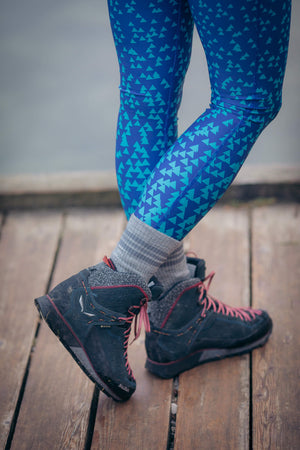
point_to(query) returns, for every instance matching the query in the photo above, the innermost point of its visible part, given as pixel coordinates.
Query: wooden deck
(246, 402)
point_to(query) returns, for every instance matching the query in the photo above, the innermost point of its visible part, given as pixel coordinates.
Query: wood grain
(27, 247)
(276, 287)
(56, 405)
(213, 401)
(143, 421)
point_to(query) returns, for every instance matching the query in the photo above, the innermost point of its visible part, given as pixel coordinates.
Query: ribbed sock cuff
(142, 249)
(174, 269)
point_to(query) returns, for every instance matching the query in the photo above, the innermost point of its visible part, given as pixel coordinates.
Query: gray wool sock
(142, 249)
(174, 269)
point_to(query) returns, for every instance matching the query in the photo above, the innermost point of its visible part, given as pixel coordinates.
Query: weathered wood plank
(27, 247)
(213, 400)
(143, 421)
(56, 406)
(276, 287)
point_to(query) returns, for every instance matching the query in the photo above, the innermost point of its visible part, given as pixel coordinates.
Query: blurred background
(59, 90)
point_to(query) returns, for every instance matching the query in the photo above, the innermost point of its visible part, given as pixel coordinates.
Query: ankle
(142, 249)
(174, 269)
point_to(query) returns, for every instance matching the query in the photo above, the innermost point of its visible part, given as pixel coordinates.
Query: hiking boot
(198, 328)
(91, 313)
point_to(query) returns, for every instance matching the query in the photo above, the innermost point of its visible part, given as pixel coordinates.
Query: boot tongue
(156, 288)
(196, 267)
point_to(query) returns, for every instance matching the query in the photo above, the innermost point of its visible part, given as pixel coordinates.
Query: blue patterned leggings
(170, 183)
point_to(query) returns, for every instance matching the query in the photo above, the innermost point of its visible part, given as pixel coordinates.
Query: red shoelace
(139, 317)
(209, 302)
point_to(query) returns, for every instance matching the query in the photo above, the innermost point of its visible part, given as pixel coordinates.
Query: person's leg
(153, 43)
(246, 47)
(92, 311)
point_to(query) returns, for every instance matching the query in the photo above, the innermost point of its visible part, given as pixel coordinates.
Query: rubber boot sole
(173, 368)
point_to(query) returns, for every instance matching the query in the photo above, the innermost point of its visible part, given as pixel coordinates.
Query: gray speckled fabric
(158, 309)
(102, 275)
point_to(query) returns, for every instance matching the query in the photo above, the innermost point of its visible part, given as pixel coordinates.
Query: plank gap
(92, 419)
(173, 414)
(250, 402)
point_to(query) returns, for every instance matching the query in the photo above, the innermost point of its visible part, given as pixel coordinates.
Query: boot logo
(82, 308)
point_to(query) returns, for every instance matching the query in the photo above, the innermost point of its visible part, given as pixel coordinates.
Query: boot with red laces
(198, 328)
(91, 313)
